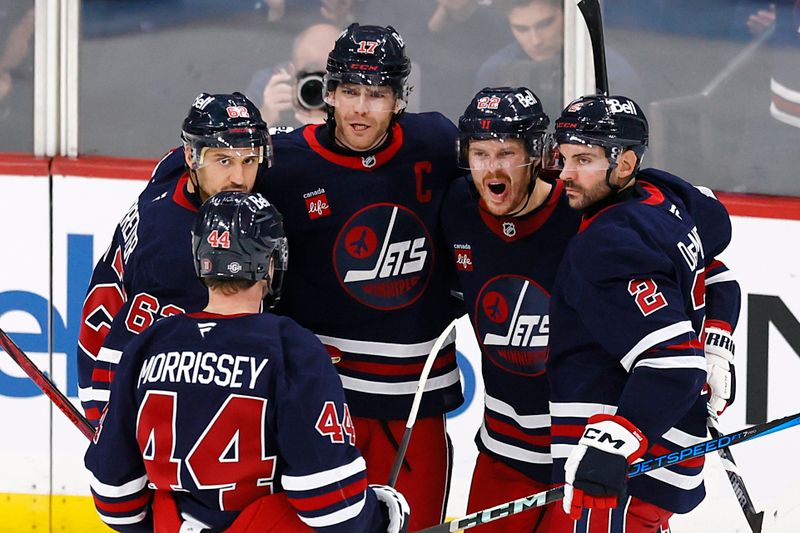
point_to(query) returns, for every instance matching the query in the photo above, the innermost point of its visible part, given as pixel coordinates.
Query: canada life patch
(383, 256)
(512, 324)
(317, 205)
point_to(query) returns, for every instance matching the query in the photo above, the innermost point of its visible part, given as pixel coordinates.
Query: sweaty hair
(228, 287)
(507, 5)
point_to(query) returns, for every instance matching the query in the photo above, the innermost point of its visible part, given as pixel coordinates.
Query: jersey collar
(514, 228)
(643, 192)
(183, 197)
(367, 163)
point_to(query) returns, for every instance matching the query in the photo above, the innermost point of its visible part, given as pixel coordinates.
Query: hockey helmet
(226, 121)
(503, 113)
(616, 123)
(234, 237)
(369, 55)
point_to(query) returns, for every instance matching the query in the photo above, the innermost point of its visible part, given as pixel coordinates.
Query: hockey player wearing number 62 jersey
(231, 419)
(627, 367)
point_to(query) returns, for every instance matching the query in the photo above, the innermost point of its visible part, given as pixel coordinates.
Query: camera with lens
(310, 89)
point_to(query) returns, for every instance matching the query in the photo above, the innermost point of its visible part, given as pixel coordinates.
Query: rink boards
(57, 218)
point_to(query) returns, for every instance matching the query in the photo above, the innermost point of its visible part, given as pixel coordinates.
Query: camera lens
(309, 90)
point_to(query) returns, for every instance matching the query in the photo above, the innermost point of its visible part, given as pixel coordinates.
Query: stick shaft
(543, 498)
(46, 385)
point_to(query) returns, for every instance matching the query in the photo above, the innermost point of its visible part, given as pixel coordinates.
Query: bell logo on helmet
(488, 102)
(237, 111)
(527, 99)
(399, 39)
(615, 106)
(201, 103)
(367, 47)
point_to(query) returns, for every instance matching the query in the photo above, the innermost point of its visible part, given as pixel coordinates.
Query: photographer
(290, 94)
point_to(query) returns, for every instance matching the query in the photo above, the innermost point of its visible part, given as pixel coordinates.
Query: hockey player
(507, 229)
(147, 273)
(229, 418)
(627, 367)
(361, 196)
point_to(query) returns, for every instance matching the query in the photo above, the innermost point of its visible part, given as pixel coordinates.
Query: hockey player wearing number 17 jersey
(231, 419)
(627, 366)
(361, 196)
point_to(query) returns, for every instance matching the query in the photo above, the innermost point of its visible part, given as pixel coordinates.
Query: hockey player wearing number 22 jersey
(231, 419)
(361, 197)
(626, 367)
(508, 229)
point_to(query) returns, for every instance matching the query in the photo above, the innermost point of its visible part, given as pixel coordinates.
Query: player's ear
(187, 155)
(626, 165)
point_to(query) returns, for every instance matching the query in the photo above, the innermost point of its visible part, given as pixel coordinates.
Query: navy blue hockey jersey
(506, 267)
(366, 271)
(627, 312)
(146, 273)
(223, 410)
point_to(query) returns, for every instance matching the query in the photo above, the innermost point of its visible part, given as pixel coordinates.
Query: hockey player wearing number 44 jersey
(627, 366)
(361, 195)
(230, 419)
(147, 273)
(508, 228)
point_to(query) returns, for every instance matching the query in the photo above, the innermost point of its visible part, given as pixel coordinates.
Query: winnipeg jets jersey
(146, 273)
(627, 313)
(506, 267)
(366, 268)
(223, 410)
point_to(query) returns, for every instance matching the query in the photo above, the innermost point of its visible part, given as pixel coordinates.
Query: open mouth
(497, 188)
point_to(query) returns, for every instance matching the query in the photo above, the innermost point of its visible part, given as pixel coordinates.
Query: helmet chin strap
(531, 187)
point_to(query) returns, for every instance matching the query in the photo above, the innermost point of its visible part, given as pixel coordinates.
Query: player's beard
(587, 197)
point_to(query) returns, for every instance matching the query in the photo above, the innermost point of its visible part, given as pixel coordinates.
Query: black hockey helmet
(503, 113)
(616, 123)
(234, 237)
(369, 55)
(226, 121)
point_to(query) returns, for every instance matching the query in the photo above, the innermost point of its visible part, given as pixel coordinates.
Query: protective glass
(500, 155)
(226, 158)
(553, 160)
(372, 98)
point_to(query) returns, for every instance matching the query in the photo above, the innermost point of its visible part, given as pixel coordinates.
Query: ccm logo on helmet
(361, 66)
(236, 111)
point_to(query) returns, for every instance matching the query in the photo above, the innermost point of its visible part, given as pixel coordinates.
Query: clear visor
(578, 153)
(369, 97)
(497, 153)
(228, 157)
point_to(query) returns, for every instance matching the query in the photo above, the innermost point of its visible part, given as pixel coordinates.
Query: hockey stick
(543, 498)
(754, 519)
(412, 416)
(590, 9)
(46, 386)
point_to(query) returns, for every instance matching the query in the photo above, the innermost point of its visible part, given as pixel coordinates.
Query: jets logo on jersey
(383, 256)
(317, 204)
(512, 324)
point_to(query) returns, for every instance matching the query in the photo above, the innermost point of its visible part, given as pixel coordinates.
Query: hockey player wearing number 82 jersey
(231, 419)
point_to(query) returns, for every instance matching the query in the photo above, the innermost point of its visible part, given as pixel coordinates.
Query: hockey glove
(721, 379)
(397, 508)
(597, 469)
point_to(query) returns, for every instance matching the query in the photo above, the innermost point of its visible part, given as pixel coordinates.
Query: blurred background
(719, 79)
